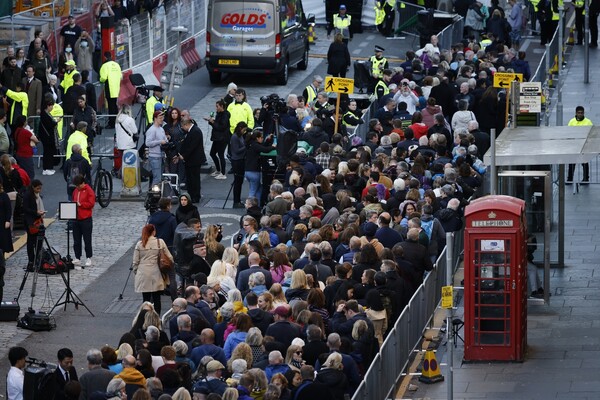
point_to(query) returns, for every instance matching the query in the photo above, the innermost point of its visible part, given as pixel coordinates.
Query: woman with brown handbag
(148, 278)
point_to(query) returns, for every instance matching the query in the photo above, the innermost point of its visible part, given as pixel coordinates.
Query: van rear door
(242, 34)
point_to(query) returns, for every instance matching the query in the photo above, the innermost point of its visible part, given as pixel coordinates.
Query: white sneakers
(48, 172)
(88, 262)
(215, 173)
(221, 176)
(76, 261)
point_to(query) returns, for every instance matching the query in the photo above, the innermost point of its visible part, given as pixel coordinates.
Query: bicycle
(103, 183)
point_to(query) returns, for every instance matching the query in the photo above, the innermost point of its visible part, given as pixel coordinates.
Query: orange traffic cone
(431, 369)
(571, 38)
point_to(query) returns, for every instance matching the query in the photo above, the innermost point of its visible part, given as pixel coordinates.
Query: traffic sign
(530, 97)
(503, 79)
(447, 296)
(339, 85)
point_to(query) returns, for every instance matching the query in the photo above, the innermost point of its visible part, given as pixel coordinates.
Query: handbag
(165, 264)
(34, 228)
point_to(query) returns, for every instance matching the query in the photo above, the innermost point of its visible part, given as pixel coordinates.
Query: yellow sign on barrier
(503, 79)
(447, 297)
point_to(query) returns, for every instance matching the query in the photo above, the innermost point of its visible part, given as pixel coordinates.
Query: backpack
(52, 262)
(75, 168)
(427, 226)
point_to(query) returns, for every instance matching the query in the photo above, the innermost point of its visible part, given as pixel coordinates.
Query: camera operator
(16, 377)
(155, 138)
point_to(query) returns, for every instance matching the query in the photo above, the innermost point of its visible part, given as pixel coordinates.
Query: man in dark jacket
(192, 153)
(345, 316)
(283, 330)
(416, 253)
(260, 318)
(450, 217)
(76, 165)
(315, 345)
(11, 75)
(309, 389)
(165, 224)
(315, 135)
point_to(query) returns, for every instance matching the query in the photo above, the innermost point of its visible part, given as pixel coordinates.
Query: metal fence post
(559, 103)
(450, 282)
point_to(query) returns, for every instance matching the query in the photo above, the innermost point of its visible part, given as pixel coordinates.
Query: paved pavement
(563, 357)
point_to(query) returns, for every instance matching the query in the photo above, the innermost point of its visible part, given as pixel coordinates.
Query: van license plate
(229, 62)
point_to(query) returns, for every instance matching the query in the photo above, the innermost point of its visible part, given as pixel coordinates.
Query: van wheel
(303, 64)
(282, 78)
(215, 77)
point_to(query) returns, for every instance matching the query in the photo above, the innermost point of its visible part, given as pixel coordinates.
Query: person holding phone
(220, 136)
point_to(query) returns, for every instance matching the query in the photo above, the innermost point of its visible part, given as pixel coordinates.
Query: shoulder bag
(164, 262)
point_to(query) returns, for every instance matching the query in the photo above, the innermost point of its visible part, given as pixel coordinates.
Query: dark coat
(192, 148)
(312, 351)
(335, 380)
(242, 278)
(338, 59)
(29, 207)
(5, 215)
(165, 225)
(311, 391)
(284, 332)
(60, 382)
(261, 319)
(418, 255)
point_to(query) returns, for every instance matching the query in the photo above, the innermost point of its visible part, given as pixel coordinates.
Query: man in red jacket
(85, 198)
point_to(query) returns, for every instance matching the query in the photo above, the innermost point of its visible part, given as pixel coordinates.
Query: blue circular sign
(130, 158)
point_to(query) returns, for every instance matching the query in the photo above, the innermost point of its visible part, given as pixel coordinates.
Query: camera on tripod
(152, 198)
(34, 362)
(274, 103)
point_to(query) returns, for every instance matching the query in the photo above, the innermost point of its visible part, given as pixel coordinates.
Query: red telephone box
(495, 279)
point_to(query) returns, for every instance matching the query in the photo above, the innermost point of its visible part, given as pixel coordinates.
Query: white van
(264, 37)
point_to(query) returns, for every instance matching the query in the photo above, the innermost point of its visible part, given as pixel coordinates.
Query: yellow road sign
(447, 296)
(503, 79)
(339, 85)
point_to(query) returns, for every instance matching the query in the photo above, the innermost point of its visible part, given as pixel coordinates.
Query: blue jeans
(156, 167)
(253, 178)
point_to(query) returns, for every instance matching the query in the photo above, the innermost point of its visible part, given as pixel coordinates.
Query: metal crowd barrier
(104, 142)
(381, 379)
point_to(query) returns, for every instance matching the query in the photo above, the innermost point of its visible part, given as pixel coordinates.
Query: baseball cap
(370, 229)
(342, 7)
(158, 113)
(282, 311)
(70, 62)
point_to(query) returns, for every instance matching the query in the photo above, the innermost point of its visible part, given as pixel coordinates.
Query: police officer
(310, 92)
(389, 8)
(381, 88)
(110, 75)
(341, 23)
(378, 63)
(157, 97)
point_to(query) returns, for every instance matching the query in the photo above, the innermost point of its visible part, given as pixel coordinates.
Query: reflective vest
(379, 14)
(150, 103)
(383, 85)
(342, 25)
(311, 93)
(377, 66)
(67, 81)
(111, 72)
(57, 111)
(20, 104)
(81, 139)
(556, 14)
(240, 113)
(485, 43)
(352, 116)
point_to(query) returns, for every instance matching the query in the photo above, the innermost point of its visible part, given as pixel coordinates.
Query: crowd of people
(329, 251)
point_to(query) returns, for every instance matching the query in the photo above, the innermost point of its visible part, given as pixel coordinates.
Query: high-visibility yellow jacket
(240, 112)
(19, 105)
(81, 139)
(57, 111)
(311, 94)
(67, 81)
(150, 103)
(342, 25)
(111, 72)
(377, 66)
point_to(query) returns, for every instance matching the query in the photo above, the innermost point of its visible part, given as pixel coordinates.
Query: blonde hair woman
(331, 374)
(299, 287)
(218, 273)
(278, 295)
(293, 357)
(265, 302)
(230, 394)
(231, 260)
